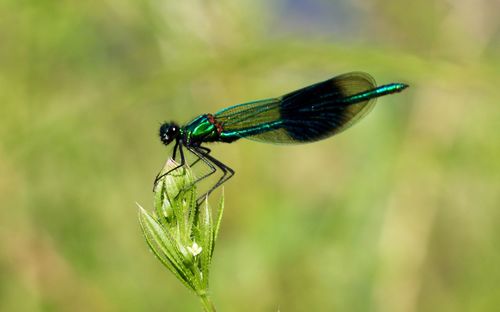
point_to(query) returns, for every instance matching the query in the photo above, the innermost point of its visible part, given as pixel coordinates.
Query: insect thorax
(201, 129)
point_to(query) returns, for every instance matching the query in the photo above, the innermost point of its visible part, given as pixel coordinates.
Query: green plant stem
(207, 303)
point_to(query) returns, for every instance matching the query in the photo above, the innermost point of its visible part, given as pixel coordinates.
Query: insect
(309, 114)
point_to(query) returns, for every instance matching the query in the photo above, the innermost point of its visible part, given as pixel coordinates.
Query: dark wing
(306, 115)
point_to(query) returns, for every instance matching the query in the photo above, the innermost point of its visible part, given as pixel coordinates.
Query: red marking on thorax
(214, 122)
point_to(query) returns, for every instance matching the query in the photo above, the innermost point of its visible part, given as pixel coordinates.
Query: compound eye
(168, 132)
(172, 131)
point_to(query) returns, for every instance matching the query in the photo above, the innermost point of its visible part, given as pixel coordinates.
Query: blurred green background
(400, 213)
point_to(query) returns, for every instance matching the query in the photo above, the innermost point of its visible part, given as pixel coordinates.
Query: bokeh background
(400, 213)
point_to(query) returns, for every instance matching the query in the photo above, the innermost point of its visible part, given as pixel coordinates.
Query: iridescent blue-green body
(306, 115)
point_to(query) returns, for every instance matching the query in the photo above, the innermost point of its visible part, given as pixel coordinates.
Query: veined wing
(306, 115)
(249, 115)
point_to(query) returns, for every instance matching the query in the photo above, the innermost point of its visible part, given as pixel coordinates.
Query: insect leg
(206, 151)
(182, 163)
(227, 173)
(175, 149)
(201, 156)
